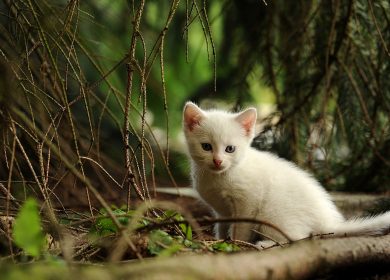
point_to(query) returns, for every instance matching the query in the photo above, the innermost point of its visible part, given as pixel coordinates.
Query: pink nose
(217, 162)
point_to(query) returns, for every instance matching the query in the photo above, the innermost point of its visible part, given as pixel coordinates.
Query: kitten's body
(254, 184)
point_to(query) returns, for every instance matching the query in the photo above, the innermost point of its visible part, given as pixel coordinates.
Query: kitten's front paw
(265, 244)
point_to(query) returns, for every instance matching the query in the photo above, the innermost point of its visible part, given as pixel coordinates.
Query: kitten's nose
(217, 162)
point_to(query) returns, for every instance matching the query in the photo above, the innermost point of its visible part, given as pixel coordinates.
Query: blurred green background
(318, 72)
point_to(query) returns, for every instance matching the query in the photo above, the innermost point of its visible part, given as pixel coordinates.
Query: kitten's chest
(222, 193)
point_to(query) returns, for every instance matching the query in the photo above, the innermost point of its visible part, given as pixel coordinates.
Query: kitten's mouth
(219, 169)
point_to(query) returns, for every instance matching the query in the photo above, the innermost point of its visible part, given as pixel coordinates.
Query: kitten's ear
(247, 119)
(192, 115)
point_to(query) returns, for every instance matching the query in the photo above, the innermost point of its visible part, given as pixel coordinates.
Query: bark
(301, 260)
(341, 258)
(353, 205)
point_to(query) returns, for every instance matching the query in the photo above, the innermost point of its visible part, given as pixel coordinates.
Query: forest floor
(184, 235)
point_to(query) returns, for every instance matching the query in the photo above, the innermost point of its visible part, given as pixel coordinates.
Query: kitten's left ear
(247, 119)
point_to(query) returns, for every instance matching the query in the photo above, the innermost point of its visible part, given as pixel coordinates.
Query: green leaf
(187, 230)
(162, 244)
(105, 226)
(167, 252)
(27, 231)
(225, 247)
(123, 220)
(158, 240)
(172, 214)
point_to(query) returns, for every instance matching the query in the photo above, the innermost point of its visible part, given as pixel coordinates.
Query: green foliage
(27, 230)
(162, 244)
(187, 230)
(168, 242)
(225, 247)
(105, 226)
(185, 227)
(174, 235)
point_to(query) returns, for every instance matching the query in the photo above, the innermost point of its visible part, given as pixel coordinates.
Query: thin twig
(208, 220)
(377, 28)
(129, 88)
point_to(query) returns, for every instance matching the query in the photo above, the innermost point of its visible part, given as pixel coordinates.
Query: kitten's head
(217, 140)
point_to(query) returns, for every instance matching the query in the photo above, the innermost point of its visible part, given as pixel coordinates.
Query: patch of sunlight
(258, 90)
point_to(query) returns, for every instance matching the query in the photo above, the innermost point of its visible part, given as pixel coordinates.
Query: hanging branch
(172, 11)
(126, 127)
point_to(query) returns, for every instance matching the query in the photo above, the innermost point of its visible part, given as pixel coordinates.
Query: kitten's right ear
(192, 115)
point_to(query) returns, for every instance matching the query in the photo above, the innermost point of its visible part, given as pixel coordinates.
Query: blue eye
(207, 146)
(230, 149)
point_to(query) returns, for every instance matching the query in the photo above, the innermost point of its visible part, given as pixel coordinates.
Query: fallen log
(344, 258)
(302, 260)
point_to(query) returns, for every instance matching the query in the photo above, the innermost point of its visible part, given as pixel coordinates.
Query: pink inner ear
(192, 122)
(248, 126)
(192, 116)
(247, 119)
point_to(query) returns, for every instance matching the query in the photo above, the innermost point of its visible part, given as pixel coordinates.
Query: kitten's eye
(207, 146)
(230, 149)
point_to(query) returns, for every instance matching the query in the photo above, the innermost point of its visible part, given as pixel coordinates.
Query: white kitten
(237, 180)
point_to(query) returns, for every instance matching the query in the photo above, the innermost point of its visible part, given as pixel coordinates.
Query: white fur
(255, 184)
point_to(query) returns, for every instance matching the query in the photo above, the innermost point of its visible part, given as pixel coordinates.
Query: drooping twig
(129, 88)
(208, 220)
(377, 28)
